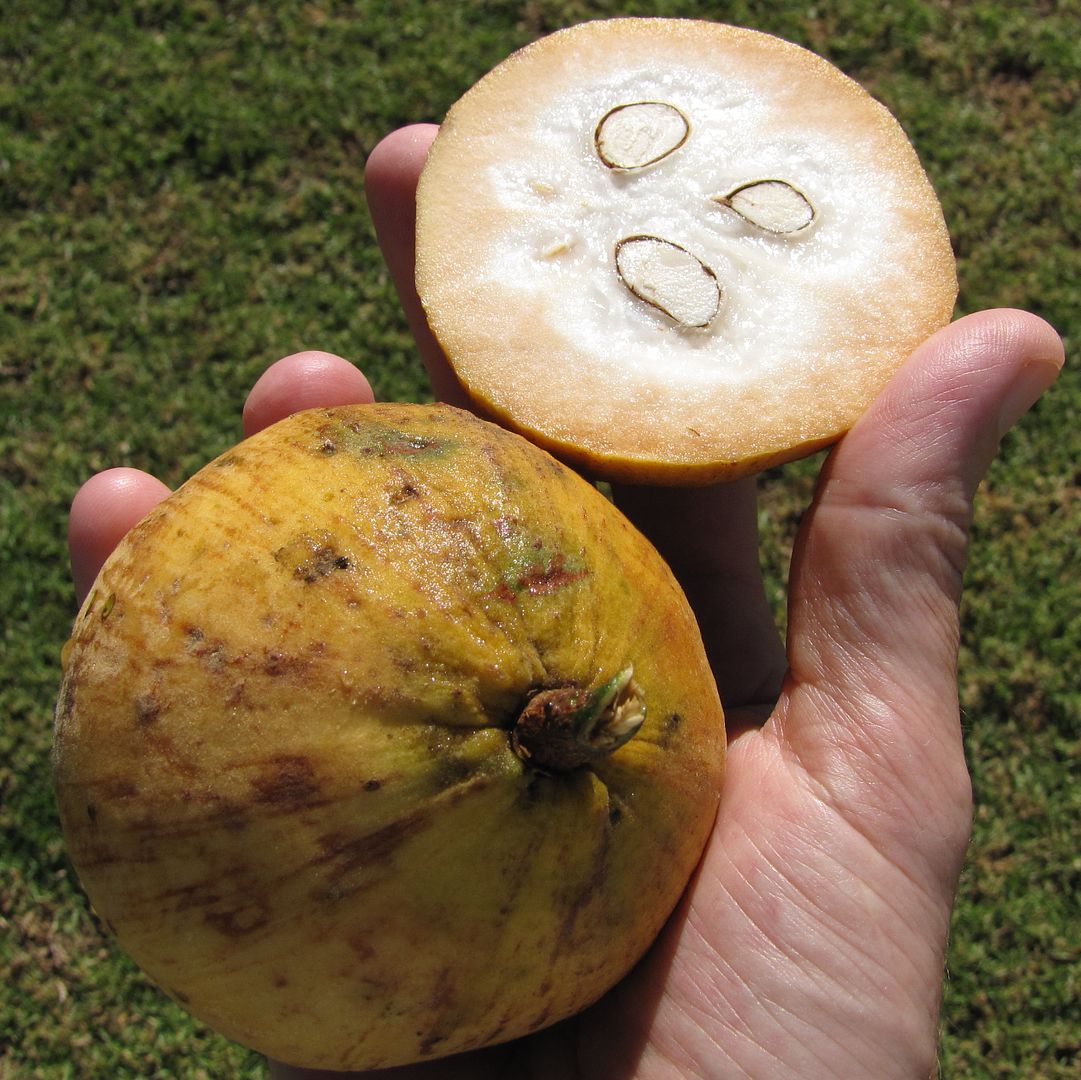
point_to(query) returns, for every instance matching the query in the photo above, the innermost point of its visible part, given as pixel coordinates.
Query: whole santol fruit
(675, 251)
(386, 736)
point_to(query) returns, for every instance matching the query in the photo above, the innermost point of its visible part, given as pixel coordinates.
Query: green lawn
(181, 203)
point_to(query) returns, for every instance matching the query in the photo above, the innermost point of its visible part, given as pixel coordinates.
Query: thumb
(870, 707)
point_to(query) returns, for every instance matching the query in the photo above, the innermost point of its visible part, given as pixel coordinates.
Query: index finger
(104, 509)
(112, 502)
(390, 185)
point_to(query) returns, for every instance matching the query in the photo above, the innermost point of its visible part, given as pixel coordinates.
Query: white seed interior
(670, 278)
(774, 205)
(640, 133)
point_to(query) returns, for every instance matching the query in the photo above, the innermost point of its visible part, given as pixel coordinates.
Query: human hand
(811, 941)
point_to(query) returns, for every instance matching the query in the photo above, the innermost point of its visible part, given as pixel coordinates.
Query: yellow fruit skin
(282, 752)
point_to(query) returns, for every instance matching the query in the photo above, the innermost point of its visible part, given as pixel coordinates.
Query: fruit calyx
(563, 727)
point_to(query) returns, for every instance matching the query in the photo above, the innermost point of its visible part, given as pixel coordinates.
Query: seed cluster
(660, 272)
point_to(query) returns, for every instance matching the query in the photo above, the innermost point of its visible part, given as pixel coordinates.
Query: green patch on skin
(533, 565)
(372, 439)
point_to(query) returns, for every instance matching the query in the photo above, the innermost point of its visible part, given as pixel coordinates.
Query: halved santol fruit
(675, 251)
(385, 737)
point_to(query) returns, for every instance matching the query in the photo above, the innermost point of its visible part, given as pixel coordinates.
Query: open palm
(811, 941)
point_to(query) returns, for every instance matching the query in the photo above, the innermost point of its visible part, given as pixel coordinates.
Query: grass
(181, 197)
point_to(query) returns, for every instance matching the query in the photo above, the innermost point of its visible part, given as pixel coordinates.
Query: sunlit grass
(182, 203)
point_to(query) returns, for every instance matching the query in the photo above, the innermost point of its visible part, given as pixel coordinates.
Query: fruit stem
(564, 727)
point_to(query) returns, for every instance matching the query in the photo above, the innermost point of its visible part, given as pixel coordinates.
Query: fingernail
(1029, 383)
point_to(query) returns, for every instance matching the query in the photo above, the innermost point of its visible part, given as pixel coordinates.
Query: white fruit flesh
(520, 217)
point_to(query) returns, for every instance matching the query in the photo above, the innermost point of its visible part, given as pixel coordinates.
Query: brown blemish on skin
(122, 789)
(373, 439)
(238, 922)
(166, 749)
(186, 897)
(429, 1042)
(440, 1001)
(211, 656)
(443, 992)
(531, 564)
(541, 1018)
(346, 854)
(361, 949)
(498, 1030)
(402, 490)
(65, 702)
(669, 728)
(583, 895)
(311, 558)
(555, 575)
(147, 709)
(236, 694)
(278, 663)
(349, 853)
(288, 779)
(229, 815)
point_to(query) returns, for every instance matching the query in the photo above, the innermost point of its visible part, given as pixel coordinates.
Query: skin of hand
(811, 940)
